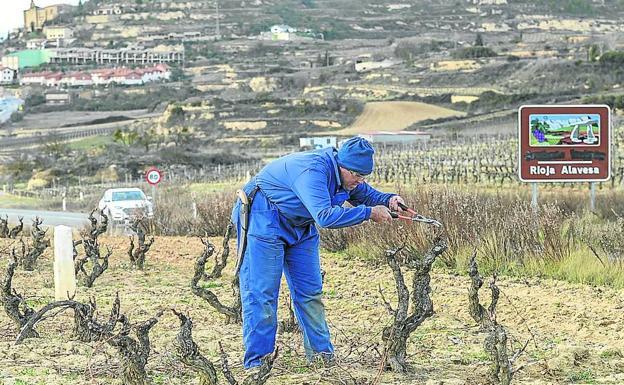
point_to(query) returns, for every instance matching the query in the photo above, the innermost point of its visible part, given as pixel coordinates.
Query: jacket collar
(335, 164)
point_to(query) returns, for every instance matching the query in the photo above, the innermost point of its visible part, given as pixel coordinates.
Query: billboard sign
(564, 143)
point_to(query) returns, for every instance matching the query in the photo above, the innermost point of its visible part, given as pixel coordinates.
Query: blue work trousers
(273, 247)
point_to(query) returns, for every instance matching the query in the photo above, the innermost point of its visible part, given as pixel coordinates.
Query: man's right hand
(380, 214)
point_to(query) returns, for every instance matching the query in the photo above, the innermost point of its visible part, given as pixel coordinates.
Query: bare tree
(477, 311)
(188, 353)
(233, 312)
(99, 263)
(134, 352)
(92, 255)
(502, 370)
(32, 252)
(86, 326)
(137, 256)
(97, 228)
(14, 303)
(221, 262)
(258, 378)
(4, 227)
(17, 229)
(395, 336)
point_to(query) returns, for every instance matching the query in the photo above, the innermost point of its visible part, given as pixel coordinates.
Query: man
(289, 197)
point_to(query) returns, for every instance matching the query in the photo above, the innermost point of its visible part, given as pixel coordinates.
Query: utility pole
(218, 31)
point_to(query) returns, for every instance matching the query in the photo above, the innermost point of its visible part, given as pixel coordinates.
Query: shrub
(473, 53)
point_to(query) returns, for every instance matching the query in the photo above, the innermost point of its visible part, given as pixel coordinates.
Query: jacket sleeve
(364, 194)
(311, 188)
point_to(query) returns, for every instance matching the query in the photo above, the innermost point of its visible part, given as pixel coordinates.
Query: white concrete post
(194, 205)
(64, 277)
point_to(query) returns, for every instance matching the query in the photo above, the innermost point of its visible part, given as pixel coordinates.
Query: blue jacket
(306, 187)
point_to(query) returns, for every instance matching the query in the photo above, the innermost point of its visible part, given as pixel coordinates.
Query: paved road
(50, 218)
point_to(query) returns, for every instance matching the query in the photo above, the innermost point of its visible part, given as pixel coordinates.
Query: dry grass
(575, 328)
(395, 116)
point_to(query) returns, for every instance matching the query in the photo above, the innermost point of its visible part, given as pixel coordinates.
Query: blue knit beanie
(356, 154)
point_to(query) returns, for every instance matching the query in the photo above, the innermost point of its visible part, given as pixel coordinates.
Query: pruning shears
(415, 216)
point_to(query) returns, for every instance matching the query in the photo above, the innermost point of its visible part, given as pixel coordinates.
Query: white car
(121, 204)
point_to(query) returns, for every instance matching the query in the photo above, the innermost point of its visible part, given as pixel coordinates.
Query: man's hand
(394, 201)
(380, 214)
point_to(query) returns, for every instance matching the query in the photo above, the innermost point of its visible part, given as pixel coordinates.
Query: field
(394, 116)
(574, 331)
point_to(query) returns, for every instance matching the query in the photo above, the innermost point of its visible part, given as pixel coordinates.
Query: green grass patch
(581, 266)
(610, 354)
(92, 142)
(210, 285)
(15, 201)
(202, 188)
(586, 376)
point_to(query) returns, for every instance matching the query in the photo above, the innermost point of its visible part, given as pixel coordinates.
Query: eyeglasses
(358, 175)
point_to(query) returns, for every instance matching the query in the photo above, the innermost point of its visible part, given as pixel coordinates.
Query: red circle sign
(153, 176)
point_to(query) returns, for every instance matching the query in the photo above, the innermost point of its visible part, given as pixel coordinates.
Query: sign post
(564, 144)
(64, 277)
(153, 176)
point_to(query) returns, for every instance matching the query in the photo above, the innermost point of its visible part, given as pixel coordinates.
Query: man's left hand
(393, 203)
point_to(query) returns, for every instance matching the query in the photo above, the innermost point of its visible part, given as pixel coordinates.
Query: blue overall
(296, 191)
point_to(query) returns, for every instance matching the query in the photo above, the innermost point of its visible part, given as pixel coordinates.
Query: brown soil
(576, 332)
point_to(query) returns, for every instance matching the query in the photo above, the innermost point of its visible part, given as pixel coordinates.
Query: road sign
(153, 176)
(564, 143)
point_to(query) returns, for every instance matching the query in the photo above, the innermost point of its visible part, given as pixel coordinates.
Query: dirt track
(575, 332)
(395, 116)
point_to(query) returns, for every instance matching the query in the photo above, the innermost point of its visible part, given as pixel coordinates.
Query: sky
(11, 12)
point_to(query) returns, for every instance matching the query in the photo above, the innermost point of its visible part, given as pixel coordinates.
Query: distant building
(53, 33)
(112, 10)
(283, 28)
(398, 137)
(36, 44)
(36, 17)
(77, 79)
(58, 98)
(7, 75)
(317, 142)
(26, 58)
(160, 54)
(11, 62)
(99, 77)
(363, 66)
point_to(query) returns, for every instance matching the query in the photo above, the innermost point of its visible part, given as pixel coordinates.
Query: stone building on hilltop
(36, 17)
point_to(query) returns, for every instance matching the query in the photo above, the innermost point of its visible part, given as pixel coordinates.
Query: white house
(79, 79)
(53, 80)
(34, 78)
(58, 98)
(283, 28)
(363, 66)
(134, 78)
(11, 62)
(7, 75)
(36, 44)
(56, 32)
(113, 10)
(397, 137)
(317, 142)
(98, 77)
